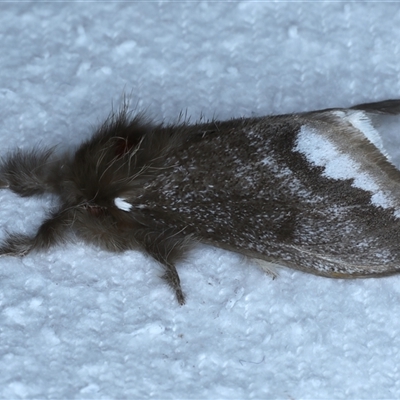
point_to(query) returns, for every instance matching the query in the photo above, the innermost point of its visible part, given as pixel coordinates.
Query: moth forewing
(315, 191)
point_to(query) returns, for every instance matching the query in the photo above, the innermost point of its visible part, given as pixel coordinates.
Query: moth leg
(165, 250)
(51, 232)
(168, 249)
(172, 277)
(27, 172)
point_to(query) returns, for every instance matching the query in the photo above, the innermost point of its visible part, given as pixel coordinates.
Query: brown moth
(313, 191)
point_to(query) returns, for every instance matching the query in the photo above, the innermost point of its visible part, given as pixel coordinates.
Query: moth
(314, 191)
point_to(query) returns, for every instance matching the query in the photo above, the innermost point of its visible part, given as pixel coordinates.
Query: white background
(82, 323)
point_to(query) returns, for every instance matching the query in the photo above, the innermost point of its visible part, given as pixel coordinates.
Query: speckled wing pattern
(314, 191)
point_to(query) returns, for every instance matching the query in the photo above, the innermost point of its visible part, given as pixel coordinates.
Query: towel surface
(77, 322)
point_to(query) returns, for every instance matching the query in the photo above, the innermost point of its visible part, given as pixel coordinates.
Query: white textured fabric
(83, 323)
